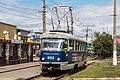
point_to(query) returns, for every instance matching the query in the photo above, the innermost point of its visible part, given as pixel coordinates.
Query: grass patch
(99, 70)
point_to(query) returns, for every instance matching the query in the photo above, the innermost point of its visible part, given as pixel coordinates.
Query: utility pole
(114, 37)
(44, 16)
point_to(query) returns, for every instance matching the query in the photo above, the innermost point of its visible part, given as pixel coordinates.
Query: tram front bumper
(51, 66)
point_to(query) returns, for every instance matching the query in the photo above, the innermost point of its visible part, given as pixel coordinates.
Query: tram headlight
(43, 58)
(66, 55)
(58, 59)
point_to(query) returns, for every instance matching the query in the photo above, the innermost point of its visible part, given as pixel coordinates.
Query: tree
(103, 44)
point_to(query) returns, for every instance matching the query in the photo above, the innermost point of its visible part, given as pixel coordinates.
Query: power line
(80, 22)
(49, 8)
(19, 11)
(56, 4)
(29, 25)
(18, 15)
(73, 20)
(53, 2)
(63, 14)
(19, 7)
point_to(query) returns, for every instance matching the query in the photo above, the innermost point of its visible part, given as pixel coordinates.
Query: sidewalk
(9, 68)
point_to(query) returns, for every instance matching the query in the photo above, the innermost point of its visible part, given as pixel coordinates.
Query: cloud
(96, 17)
(13, 12)
(95, 11)
(101, 16)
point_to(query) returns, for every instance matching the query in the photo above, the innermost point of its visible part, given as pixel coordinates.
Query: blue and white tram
(61, 51)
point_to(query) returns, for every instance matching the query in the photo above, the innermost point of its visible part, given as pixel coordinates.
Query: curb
(19, 69)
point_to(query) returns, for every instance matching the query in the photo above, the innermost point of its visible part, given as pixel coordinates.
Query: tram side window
(71, 44)
(76, 45)
(81, 46)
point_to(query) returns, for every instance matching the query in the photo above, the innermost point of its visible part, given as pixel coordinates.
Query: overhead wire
(55, 13)
(19, 15)
(52, 12)
(61, 12)
(19, 11)
(50, 8)
(73, 20)
(28, 25)
(19, 7)
(69, 16)
(32, 16)
(53, 2)
(64, 15)
(28, 9)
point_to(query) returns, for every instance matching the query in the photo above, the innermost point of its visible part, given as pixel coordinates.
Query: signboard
(16, 41)
(118, 40)
(89, 47)
(35, 37)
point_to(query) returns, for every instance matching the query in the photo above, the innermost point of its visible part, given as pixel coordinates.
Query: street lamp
(6, 35)
(5, 32)
(28, 38)
(19, 35)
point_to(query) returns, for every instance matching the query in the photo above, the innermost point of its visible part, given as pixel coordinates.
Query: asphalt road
(22, 73)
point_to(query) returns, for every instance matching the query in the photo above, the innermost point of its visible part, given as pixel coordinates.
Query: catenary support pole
(44, 16)
(114, 37)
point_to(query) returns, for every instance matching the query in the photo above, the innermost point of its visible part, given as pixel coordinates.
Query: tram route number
(50, 57)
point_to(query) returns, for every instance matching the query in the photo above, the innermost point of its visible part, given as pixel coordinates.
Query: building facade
(17, 45)
(7, 32)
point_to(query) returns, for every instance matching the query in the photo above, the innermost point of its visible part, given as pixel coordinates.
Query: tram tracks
(48, 76)
(58, 75)
(10, 70)
(33, 73)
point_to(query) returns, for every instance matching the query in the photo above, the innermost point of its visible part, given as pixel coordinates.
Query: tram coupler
(50, 68)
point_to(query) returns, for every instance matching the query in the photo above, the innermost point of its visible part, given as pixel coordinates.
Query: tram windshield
(52, 43)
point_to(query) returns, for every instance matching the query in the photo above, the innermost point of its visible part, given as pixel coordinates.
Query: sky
(94, 14)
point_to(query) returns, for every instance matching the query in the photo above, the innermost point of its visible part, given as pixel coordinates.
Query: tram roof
(60, 35)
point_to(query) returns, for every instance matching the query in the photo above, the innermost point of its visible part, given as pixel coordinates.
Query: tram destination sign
(16, 41)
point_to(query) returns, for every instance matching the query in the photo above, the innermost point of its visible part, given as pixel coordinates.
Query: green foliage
(99, 70)
(103, 44)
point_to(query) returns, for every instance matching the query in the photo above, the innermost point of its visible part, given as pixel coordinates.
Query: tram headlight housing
(58, 59)
(43, 58)
(66, 55)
